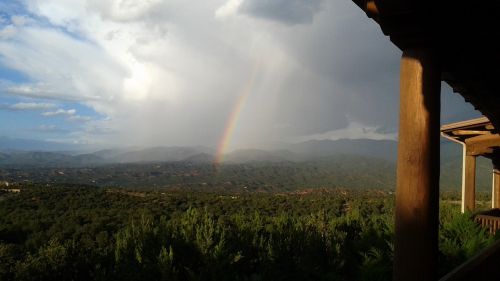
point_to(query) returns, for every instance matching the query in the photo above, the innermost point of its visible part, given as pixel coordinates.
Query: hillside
(314, 164)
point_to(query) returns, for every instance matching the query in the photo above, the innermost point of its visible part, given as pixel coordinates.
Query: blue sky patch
(12, 75)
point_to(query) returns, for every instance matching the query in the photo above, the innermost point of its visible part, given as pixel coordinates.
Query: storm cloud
(286, 11)
(171, 72)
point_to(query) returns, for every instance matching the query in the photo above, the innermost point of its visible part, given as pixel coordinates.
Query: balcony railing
(482, 267)
(485, 265)
(488, 221)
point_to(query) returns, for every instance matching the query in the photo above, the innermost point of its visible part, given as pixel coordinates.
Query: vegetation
(86, 233)
(359, 172)
(336, 171)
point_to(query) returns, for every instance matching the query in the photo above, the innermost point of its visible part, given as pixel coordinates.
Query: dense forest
(259, 176)
(339, 171)
(89, 233)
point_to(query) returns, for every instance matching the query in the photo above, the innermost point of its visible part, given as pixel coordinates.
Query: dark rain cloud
(361, 66)
(284, 11)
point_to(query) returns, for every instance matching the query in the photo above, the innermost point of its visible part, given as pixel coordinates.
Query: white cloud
(69, 114)
(7, 32)
(20, 20)
(123, 10)
(32, 106)
(79, 118)
(60, 112)
(35, 90)
(354, 130)
(229, 8)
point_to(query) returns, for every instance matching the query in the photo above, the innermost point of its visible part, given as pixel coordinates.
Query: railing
(485, 265)
(482, 267)
(491, 223)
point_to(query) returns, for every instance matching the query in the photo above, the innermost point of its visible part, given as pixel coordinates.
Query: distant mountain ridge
(46, 158)
(8, 143)
(160, 154)
(298, 152)
(346, 155)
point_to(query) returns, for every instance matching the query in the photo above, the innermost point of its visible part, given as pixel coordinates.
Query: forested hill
(297, 152)
(346, 171)
(343, 163)
(11, 155)
(82, 233)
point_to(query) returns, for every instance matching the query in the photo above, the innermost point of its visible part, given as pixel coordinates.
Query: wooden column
(469, 184)
(417, 193)
(495, 190)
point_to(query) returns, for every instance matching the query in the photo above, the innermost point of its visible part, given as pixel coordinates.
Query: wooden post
(469, 184)
(417, 193)
(495, 190)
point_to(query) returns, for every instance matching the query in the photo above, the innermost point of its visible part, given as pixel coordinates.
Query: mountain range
(345, 154)
(297, 152)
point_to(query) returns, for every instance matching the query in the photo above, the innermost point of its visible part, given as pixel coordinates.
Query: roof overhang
(462, 33)
(478, 135)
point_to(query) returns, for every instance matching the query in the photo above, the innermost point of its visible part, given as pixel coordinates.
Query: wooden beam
(417, 209)
(473, 123)
(490, 139)
(469, 184)
(495, 188)
(470, 132)
(483, 144)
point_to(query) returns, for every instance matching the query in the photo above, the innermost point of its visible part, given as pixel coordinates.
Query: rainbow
(232, 120)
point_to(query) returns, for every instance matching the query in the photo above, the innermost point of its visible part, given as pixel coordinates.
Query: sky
(236, 73)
